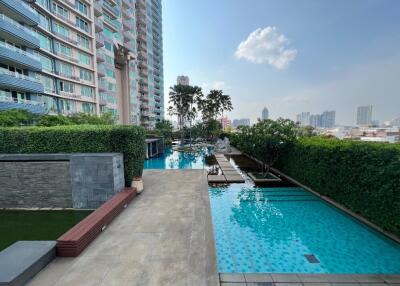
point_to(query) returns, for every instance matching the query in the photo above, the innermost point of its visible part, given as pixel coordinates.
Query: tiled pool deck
(163, 237)
(250, 279)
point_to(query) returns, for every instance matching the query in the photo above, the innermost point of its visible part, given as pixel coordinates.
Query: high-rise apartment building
(264, 113)
(364, 115)
(325, 120)
(84, 56)
(303, 118)
(241, 122)
(328, 119)
(182, 80)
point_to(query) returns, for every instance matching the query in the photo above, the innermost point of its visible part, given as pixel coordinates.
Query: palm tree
(183, 100)
(215, 104)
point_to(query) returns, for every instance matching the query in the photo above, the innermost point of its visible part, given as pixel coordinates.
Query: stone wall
(78, 181)
(35, 184)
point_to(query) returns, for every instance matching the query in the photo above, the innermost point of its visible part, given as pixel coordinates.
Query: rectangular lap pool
(284, 230)
(289, 230)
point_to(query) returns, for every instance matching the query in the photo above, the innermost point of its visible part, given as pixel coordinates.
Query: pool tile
(258, 277)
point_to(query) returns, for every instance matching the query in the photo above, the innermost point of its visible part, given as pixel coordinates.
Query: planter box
(272, 180)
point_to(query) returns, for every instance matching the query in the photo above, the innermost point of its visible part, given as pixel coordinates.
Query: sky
(289, 56)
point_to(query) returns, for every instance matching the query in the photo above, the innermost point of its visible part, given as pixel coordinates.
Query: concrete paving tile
(289, 284)
(368, 278)
(392, 278)
(316, 284)
(313, 278)
(232, 277)
(260, 284)
(337, 278)
(285, 278)
(52, 273)
(257, 277)
(233, 284)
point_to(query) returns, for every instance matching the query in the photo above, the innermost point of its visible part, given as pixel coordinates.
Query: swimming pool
(285, 230)
(178, 160)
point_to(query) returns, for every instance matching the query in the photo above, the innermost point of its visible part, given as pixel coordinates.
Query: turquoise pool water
(273, 229)
(178, 160)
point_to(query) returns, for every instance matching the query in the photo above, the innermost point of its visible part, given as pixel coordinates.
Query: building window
(86, 91)
(48, 83)
(83, 41)
(63, 49)
(66, 86)
(110, 73)
(47, 63)
(82, 24)
(85, 75)
(45, 42)
(61, 11)
(109, 60)
(108, 46)
(44, 21)
(61, 29)
(64, 69)
(81, 7)
(84, 58)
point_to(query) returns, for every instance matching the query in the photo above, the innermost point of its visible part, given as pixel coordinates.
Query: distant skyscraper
(315, 120)
(183, 80)
(241, 122)
(225, 122)
(303, 118)
(364, 115)
(265, 113)
(328, 119)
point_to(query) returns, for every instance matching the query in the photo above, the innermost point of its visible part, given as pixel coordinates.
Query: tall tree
(214, 105)
(183, 100)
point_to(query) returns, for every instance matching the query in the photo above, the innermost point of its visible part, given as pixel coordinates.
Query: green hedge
(129, 140)
(364, 177)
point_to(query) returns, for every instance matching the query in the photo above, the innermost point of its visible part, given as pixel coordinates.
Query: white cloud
(266, 46)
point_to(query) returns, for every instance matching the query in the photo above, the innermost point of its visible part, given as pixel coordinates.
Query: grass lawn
(36, 225)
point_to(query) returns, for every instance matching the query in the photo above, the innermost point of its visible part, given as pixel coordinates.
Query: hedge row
(364, 177)
(129, 140)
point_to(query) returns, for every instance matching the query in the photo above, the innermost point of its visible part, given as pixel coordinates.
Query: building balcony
(18, 58)
(99, 40)
(66, 38)
(66, 19)
(98, 25)
(128, 13)
(128, 36)
(20, 11)
(128, 25)
(102, 86)
(98, 7)
(144, 98)
(114, 24)
(8, 102)
(127, 3)
(16, 33)
(15, 81)
(70, 58)
(100, 58)
(70, 3)
(101, 72)
(113, 10)
(70, 94)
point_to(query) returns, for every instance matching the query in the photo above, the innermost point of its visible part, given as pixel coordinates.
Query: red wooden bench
(74, 241)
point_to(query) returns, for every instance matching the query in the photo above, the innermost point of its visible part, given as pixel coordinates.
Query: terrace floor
(164, 237)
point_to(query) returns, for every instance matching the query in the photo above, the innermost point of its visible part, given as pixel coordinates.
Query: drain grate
(311, 258)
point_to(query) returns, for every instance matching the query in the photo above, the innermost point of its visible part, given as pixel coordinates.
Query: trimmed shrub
(129, 140)
(364, 177)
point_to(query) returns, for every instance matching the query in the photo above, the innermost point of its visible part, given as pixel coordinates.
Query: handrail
(18, 75)
(18, 25)
(15, 49)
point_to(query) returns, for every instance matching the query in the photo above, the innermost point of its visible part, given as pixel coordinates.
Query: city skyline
(329, 60)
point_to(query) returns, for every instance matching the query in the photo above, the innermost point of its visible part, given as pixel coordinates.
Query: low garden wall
(79, 181)
(364, 177)
(128, 140)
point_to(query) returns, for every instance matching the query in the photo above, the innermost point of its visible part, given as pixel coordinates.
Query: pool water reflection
(179, 160)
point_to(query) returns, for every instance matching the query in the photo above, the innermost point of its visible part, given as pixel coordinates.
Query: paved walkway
(164, 237)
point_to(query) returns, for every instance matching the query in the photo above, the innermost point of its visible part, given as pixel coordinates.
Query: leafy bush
(266, 140)
(364, 177)
(129, 140)
(18, 117)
